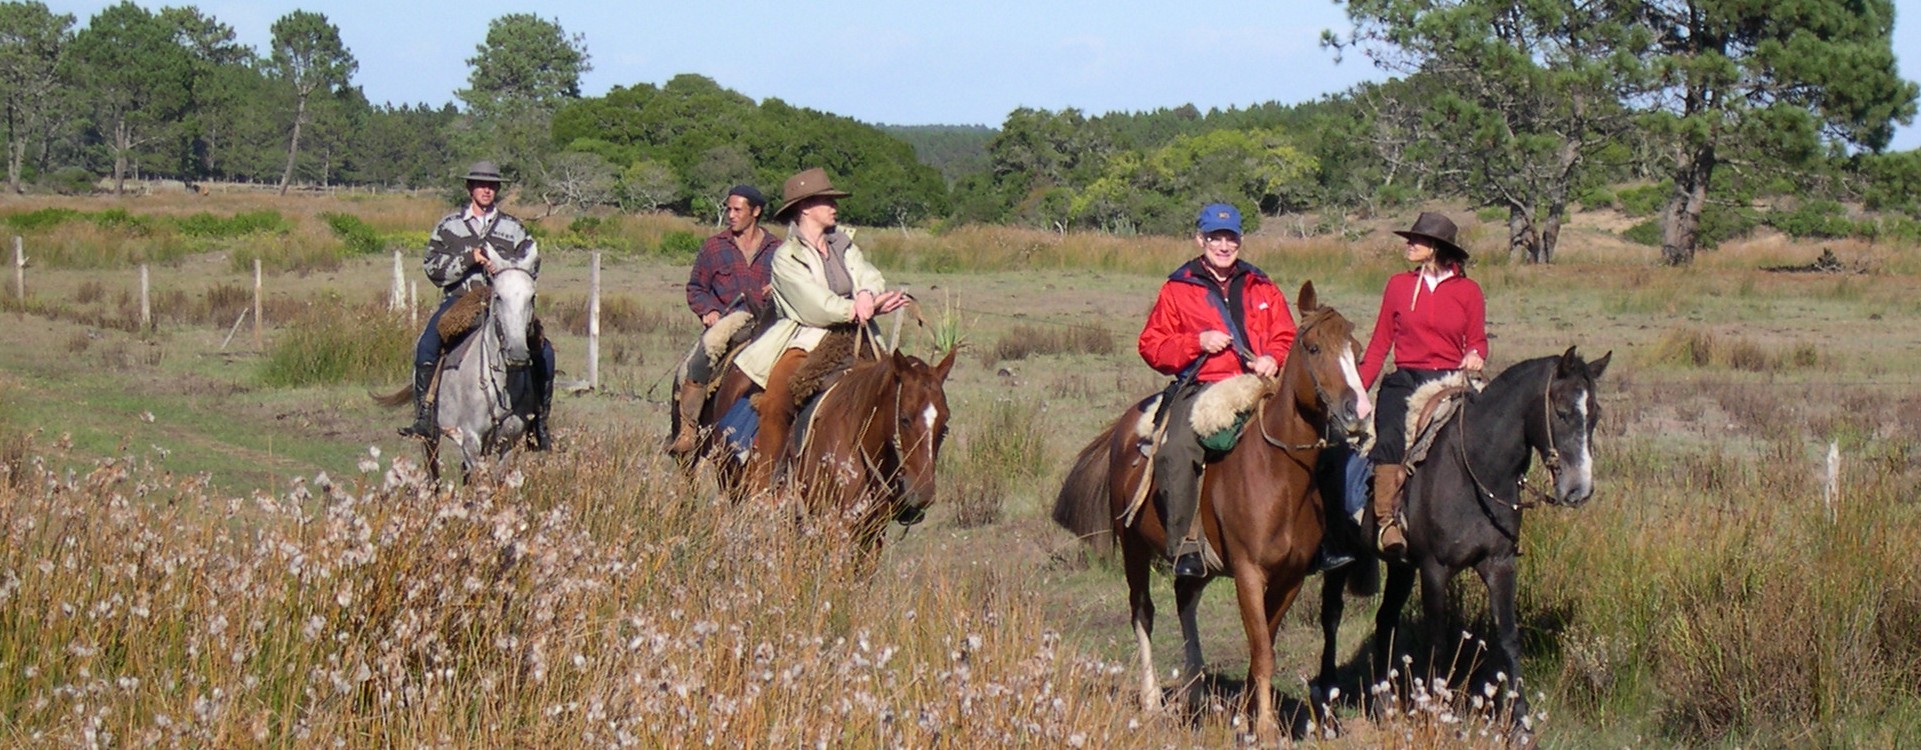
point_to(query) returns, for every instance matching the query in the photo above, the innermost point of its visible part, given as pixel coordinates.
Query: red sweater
(1171, 340)
(1428, 330)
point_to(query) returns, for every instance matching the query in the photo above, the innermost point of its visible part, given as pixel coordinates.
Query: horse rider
(820, 279)
(732, 271)
(1217, 316)
(1434, 320)
(457, 262)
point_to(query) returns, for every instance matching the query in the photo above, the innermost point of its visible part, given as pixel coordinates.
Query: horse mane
(1515, 376)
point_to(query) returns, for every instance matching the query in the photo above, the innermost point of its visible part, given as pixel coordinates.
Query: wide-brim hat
(484, 171)
(1438, 229)
(812, 183)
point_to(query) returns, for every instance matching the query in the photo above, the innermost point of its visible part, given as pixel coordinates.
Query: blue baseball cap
(1218, 216)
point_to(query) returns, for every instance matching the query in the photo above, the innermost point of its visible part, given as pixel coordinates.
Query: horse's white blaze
(1363, 406)
(1585, 464)
(928, 415)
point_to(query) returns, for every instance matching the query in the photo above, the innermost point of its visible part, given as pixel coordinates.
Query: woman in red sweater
(1434, 319)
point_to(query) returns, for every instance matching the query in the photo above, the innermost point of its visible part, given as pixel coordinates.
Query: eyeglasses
(1224, 239)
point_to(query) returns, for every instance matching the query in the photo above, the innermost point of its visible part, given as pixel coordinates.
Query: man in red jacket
(1217, 316)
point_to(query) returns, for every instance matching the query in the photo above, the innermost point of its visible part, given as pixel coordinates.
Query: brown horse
(870, 455)
(872, 450)
(1258, 507)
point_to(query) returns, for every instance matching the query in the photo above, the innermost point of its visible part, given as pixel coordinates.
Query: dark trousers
(1177, 468)
(1390, 413)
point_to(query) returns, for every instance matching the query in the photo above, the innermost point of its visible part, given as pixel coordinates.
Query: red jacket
(1428, 330)
(1171, 340)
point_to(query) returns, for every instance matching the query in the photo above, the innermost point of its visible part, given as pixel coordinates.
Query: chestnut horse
(871, 452)
(1259, 507)
(870, 455)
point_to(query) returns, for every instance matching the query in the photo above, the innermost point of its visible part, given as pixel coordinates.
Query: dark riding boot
(1178, 496)
(687, 421)
(1389, 537)
(542, 437)
(423, 426)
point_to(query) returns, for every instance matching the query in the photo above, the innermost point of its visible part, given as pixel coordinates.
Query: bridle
(1320, 395)
(1550, 458)
(496, 318)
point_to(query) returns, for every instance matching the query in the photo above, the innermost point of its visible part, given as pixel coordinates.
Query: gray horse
(486, 393)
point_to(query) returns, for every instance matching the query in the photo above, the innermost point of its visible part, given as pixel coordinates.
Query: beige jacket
(806, 305)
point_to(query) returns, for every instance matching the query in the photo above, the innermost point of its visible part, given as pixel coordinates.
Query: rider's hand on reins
(1265, 366)
(1213, 342)
(486, 263)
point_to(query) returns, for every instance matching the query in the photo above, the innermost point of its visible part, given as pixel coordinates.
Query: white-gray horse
(486, 397)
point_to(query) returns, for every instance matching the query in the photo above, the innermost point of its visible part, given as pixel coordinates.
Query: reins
(1551, 458)
(1320, 394)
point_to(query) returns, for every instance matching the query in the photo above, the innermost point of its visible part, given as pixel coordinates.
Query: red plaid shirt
(723, 274)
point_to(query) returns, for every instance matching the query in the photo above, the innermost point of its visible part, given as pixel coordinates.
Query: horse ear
(1306, 300)
(1595, 368)
(946, 363)
(1565, 366)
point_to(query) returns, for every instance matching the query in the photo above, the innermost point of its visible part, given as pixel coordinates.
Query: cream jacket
(805, 303)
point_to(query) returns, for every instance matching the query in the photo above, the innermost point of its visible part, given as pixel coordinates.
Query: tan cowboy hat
(484, 171)
(812, 183)
(1439, 230)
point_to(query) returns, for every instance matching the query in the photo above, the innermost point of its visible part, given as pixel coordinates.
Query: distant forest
(1707, 121)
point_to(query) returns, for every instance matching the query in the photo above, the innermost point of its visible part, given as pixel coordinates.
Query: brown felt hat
(812, 183)
(1439, 230)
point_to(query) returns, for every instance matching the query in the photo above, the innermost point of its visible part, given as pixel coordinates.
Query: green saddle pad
(1223, 440)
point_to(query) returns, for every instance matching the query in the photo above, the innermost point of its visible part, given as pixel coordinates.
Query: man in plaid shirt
(731, 275)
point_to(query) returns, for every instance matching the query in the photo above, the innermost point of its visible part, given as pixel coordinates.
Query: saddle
(1219, 415)
(1430, 408)
(464, 315)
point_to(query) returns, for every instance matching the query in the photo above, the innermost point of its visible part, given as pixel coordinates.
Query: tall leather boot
(1389, 537)
(542, 437)
(423, 426)
(687, 420)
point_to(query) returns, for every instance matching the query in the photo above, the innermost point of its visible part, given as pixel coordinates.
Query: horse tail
(401, 397)
(1082, 506)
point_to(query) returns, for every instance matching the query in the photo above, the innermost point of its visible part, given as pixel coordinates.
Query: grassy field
(205, 549)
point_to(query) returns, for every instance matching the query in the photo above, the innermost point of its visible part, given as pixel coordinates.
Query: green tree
(1727, 79)
(308, 56)
(32, 39)
(223, 92)
(525, 70)
(135, 77)
(1508, 100)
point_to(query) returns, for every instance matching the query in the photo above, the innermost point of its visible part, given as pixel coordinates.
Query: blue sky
(888, 62)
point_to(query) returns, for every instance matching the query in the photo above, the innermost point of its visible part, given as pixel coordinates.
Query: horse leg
(1140, 604)
(1187, 599)
(1279, 600)
(1498, 575)
(1434, 577)
(1333, 601)
(1250, 589)
(1387, 624)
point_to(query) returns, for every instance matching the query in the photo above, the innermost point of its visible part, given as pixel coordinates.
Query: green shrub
(359, 236)
(209, 226)
(1595, 198)
(1645, 200)
(43, 219)
(1821, 218)
(69, 181)
(333, 343)
(118, 220)
(679, 244)
(587, 225)
(1645, 233)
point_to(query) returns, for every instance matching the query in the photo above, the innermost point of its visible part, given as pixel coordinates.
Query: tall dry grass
(137, 608)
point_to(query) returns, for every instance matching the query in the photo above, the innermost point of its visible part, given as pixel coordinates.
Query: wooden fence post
(413, 304)
(257, 306)
(399, 295)
(19, 269)
(593, 324)
(146, 300)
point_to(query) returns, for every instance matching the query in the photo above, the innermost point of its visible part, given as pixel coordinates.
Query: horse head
(1570, 412)
(1321, 368)
(920, 425)
(513, 304)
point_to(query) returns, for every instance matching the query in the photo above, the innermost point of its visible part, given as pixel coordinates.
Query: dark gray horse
(1463, 505)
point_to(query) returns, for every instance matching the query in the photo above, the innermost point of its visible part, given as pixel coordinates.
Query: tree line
(1522, 110)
